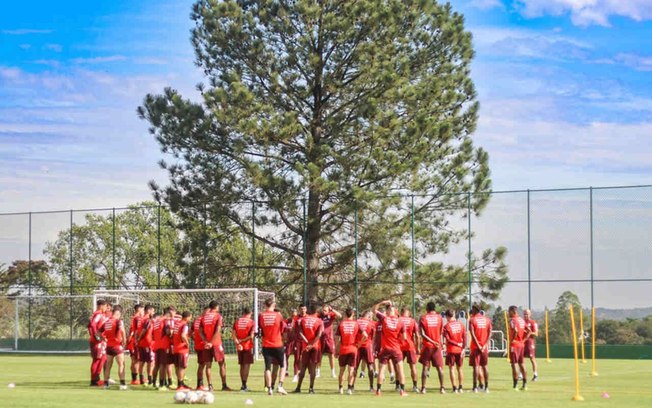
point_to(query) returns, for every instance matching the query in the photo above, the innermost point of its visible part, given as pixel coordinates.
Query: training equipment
(249, 402)
(180, 397)
(11, 385)
(547, 341)
(191, 397)
(582, 335)
(208, 398)
(593, 370)
(577, 396)
(231, 302)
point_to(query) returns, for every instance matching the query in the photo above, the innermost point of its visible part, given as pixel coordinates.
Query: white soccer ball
(11, 385)
(191, 397)
(208, 398)
(249, 402)
(180, 397)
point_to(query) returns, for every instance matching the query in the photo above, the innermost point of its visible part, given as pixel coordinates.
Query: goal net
(231, 302)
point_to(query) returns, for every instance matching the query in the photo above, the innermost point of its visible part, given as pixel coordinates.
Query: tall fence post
(113, 250)
(591, 238)
(468, 215)
(529, 264)
(29, 280)
(158, 247)
(305, 259)
(412, 256)
(71, 269)
(253, 244)
(205, 247)
(355, 254)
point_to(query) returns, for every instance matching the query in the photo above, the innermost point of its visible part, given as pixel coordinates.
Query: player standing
(516, 350)
(243, 334)
(350, 338)
(271, 325)
(211, 335)
(311, 328)
(114, 330)
(531, 333)
(455, 336)
(181, 348)
(139, 310)
(96, 341)
(203, 355)
(393, 333)
(144, 345)
(328, 316)
(480, 329)
(298, 344)
(366, 350)
(431, 326)
(409, 345)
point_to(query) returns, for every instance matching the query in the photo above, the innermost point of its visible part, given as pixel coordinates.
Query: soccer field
(60, 381)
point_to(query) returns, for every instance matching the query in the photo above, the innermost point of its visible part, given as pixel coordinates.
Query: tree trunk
(313, 235)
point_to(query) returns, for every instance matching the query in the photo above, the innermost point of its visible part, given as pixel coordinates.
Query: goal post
(231, 302)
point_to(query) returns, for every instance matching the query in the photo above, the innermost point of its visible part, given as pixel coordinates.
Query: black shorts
(274, 353)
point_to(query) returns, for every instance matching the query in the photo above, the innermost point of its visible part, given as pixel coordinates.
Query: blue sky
(564, 86)
(566, 101)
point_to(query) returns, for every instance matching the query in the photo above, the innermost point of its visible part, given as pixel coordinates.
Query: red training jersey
(290, 328)
(160, 341)
(243, 328)
(432, 325)
(480, 327)
(531, 326)
(368, 327)
(95, 323)
(310, 326)
(391, 332)
(349, 332)
(328, 319)
(410, 328)
(179, 330)
(517, 331)
(211, 324)
(145, 330)
(112, 332)
(455, 335)
(271, 324)
(196, 337)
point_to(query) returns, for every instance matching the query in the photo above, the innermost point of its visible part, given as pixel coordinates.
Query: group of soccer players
(160, 344)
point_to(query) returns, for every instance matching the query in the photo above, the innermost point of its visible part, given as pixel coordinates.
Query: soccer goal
(231, 302)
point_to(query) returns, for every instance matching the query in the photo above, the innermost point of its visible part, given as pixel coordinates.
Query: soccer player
(271, 326)
(139, 311)
(158, 323)
(144, 344)
(366, 350)
(298, 344)
(96, 341)
(290, 340)
(311, 328)
(328, 316)
(211, 335)
(516, 350)
(350, 337)
(203, 355)
(243, 334)
(531, 333)
(114, 330)
(455, 336)
(393, 333)
(409, 345)
(431, 326)
(480, 329)
(181, 348)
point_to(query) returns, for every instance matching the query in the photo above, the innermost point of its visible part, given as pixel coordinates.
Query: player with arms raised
(393, 333)
(517, 348)
(114, 331)
(531, 333)
(243, 334)
(480, 330)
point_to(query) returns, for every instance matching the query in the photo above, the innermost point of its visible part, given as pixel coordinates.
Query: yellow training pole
(593, 372)
(577, 396)
(507, 331)
(547, 341)
(582, 335)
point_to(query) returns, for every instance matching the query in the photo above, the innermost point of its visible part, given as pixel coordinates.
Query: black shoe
(536, 377)
(296, 391)
(311, 391)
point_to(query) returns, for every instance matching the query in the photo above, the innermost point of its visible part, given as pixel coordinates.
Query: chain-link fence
(548, 248)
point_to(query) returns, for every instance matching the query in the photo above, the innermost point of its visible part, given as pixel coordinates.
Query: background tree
(323, 112)
(16, 279)
(560, 324)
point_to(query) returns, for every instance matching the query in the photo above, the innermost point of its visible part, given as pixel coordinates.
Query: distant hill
(622, 314)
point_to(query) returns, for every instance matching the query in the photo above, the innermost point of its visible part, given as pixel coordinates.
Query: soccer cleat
(524, 388)
(415, 389)
(225, 388)
(295, 378)
(123, 388)
(202, 388)
(486, 390)
(427, 373)
(442, 390)
(311, 390)
(333, 373)
(515, 389)
(460, 390)
(341, 391)
(281, 391)
(361, 374)
(296, 391)
(162, 389)
(105, 386)
(397, 387)
(135, 382)
(112, 381)
(375, 374)
(475, 390)
(423, 390)
(378, 393)
(244, 389)
(210, 387)
(318, 373)
(270, 391)
(402, 393)
(183, 388)
(349, 392)
(100, 383)
(371, 390)
(536, 377)
(520, 376)
(391, 378)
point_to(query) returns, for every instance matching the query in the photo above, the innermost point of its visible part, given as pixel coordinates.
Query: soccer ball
(180, 397)
(191, 397)
(208, 398)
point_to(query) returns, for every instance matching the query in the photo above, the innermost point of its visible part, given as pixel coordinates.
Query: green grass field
(61, 381)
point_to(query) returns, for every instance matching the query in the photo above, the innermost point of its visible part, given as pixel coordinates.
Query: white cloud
(487, 4)
(99, 60)
(54, 47)
(25, 31)
(587, 12)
